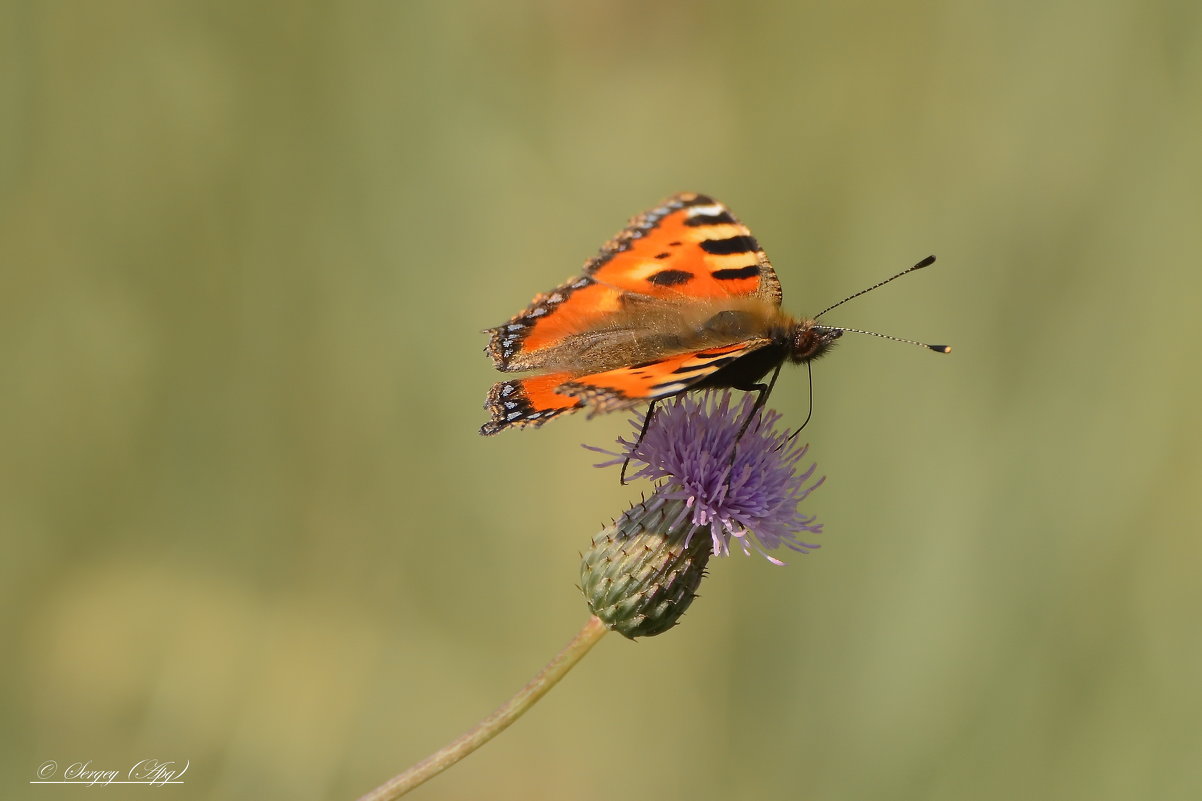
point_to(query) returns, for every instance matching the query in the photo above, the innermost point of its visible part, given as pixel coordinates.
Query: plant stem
(495, 723)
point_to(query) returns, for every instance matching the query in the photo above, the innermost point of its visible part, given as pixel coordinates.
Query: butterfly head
(810, 340)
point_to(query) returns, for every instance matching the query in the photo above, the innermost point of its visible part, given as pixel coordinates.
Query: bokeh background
(246, 251)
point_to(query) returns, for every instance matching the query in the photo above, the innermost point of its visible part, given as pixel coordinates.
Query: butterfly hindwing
(524, 402)
(688, 247)
(533, 401)
(624, 387)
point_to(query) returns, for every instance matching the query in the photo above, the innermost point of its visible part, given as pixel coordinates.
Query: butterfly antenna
(927, 262)
(936, 348)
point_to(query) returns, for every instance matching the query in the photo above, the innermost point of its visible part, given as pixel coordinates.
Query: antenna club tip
(941, 348)
(927, 262)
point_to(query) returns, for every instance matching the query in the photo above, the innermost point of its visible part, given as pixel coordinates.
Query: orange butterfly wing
(688, 247)
(534, 401)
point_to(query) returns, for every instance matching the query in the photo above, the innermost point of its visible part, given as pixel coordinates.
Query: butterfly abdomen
(746, 371)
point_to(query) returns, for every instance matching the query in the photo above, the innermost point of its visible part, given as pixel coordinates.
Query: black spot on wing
(734, 273)
(727, 247)
(713, 364)
(710, 219)
(670, 277)
(691, 368)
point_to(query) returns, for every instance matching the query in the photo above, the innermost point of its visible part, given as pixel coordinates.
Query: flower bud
(641, 573)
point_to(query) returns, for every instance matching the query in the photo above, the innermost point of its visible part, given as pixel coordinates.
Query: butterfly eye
(730, 322)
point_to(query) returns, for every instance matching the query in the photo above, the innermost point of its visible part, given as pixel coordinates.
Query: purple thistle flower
(752, 498)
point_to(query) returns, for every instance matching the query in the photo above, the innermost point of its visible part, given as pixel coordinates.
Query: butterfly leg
(637, 442)
(762, 391)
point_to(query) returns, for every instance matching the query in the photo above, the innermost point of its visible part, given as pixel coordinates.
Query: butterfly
(683, 298)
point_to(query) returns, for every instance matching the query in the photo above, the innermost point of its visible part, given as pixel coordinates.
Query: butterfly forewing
(687, 248)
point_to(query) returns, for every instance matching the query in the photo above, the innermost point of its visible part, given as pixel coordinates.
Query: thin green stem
(495, 723)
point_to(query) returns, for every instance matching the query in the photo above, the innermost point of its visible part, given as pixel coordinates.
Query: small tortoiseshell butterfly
(683, 298)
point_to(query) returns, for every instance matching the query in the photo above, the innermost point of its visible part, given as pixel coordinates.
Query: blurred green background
(245, 255)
